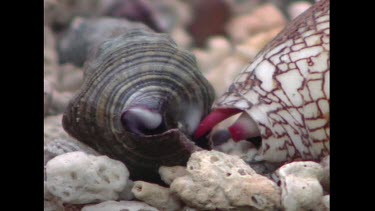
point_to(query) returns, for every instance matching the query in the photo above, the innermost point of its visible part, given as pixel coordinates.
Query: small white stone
(300, 185)
(119, 206)
(79, 178)
(306, 169)
(300, 193)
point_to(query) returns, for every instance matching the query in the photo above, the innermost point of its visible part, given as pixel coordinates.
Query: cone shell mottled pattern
(286, 90)
(135, 69)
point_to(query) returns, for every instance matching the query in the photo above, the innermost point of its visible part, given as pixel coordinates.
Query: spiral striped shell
(141, 75)
(284, 93)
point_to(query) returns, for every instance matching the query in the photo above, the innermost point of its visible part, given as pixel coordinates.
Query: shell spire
(285, 92)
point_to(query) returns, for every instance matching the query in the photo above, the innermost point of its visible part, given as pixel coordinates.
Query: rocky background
(224, 35)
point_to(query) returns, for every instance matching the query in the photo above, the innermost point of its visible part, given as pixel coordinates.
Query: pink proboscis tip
(213, 119)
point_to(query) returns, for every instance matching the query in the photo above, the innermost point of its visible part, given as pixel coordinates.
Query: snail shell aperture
(141, 100)
(283, 94)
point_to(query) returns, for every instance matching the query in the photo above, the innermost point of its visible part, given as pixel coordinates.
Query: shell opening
(142, 121)
(244, 128)
(213, 119)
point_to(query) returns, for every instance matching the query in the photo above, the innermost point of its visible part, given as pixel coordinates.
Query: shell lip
(214, 118)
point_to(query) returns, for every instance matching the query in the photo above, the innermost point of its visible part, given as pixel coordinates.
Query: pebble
(119, 206)
(220, 181)
(217, 49)
(79, 178)
(262, 19)
(300, 185)
(156, 196)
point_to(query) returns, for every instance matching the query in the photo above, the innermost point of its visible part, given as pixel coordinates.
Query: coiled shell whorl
(283, 94)
(140, 102)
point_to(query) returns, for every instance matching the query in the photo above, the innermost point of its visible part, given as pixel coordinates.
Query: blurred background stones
(224, 35)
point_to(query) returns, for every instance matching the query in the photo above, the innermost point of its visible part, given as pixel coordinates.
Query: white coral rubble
(220, 181)
(79, 178)
(119, 206)
(156, 196)
(300, 185)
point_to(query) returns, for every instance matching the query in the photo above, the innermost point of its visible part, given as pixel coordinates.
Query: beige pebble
(170, 173)
(119, 206)
(56, 137)
(156, 196)
(252, 45)
(220, 181)
(218, 48)
(181, 37)
(53, 129)
(55, 102)
(222, 76)
(263, 18)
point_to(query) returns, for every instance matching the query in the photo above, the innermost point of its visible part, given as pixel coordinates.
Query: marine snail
(283, 94)
(141, 100)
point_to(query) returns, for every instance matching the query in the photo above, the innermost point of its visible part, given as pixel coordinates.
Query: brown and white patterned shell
(140, 102)
(285, 90)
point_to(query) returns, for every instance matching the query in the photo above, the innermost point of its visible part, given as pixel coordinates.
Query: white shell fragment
(157, 196)
(119, 206)
(300, 185)
(220, 181)
(79, 178)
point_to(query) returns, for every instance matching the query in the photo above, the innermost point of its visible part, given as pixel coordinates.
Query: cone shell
(140, 68)
(286, 90)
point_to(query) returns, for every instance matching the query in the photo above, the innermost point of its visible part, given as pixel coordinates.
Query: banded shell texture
(283, 94)
(141, 100)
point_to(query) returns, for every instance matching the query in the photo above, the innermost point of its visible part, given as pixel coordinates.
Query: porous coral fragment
(79, 178)
(220, 181)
